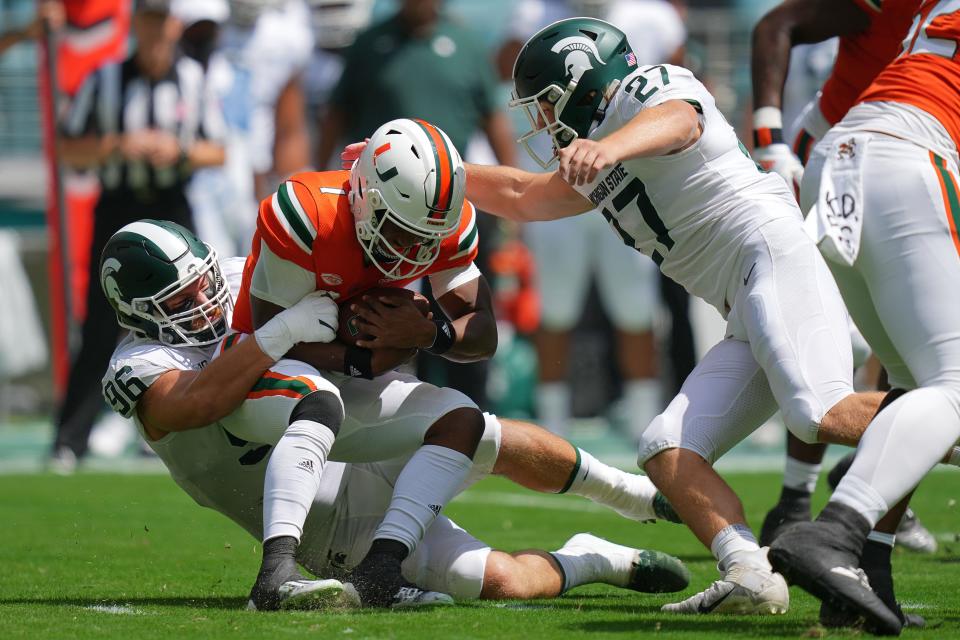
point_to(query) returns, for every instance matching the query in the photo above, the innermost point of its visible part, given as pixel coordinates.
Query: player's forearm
(791, 23)
(498, 190)
(476, 338)
(770, 58)
(224, 383)
(86, 152)
(204, 153)
(189, 400)
(522, 196)
(657, 131)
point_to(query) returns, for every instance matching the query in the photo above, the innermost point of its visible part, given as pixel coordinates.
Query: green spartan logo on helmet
(577, 65)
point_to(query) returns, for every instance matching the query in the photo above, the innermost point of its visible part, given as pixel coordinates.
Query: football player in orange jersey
(870, 35)
(399, 214)
(884, 206)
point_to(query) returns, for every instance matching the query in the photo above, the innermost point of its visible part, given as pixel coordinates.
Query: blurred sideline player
(177, 375)
(572, 253)
(270, 42)
(893, 249)
(668, 172)
(222, 198)
(870, 36)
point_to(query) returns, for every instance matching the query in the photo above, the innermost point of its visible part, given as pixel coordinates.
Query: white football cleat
(743, 590)
(309, 594)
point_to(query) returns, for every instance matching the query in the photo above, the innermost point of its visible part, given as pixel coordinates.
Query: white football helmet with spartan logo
(411, 176)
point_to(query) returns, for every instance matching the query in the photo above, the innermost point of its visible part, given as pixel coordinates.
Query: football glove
(313, 319)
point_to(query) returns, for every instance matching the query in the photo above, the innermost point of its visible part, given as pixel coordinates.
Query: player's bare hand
(351, 152)
(136, 145)
(165, 151)
(582, 160)
(392, 323)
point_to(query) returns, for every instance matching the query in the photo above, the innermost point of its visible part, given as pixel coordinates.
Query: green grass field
(119, 556)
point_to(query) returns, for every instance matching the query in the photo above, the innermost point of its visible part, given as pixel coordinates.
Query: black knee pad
(320, 406)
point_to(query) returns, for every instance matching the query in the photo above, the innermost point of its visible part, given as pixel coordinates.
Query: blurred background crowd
(193, 110)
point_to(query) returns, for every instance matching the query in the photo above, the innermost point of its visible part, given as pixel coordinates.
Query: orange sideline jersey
(309, 222)
(862, 56)
(927, 73)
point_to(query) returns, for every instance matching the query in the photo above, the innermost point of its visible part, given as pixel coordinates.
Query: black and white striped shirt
(117, 98)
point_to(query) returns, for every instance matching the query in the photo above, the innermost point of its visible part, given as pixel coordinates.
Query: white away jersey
(215, 468)
(689, 211)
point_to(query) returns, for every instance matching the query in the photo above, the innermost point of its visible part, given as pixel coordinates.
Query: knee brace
(320, 406)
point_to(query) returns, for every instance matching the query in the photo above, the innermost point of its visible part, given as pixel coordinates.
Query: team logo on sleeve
(579, 50)
(332, 279)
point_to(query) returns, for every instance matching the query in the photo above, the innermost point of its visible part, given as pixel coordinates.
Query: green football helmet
(150, 262)
(576, 65)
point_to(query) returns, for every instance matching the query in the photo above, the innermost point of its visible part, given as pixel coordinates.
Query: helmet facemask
(560, 134)
(373, 219)
(408, 181)
(191, 324)
(574, 66)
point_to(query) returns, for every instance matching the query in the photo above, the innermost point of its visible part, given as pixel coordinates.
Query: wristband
(358, 362)
(446, 336)
(767, 127)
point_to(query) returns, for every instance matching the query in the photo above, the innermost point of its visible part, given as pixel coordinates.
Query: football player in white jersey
(648, 147)
(579, 250)
(182, 379)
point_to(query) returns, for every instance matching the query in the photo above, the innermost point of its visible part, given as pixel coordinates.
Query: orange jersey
(862, 56)
(309, 222)
(927, 72)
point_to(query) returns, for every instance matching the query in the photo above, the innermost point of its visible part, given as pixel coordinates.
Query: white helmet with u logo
(409, 175)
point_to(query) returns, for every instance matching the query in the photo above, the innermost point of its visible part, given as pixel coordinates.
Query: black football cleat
(822, 558)
(793, 507)
(379, 583)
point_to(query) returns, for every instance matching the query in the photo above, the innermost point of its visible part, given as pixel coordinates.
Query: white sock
(891, 460)
(628, 494)
(644, 401)
(293, 477)
(882, 538)
(585, 559)
(430, 479)
(800, 476)
(736, 544)
(553, 406)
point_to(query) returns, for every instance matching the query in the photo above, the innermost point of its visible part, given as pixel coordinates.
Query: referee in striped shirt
(145, 124)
